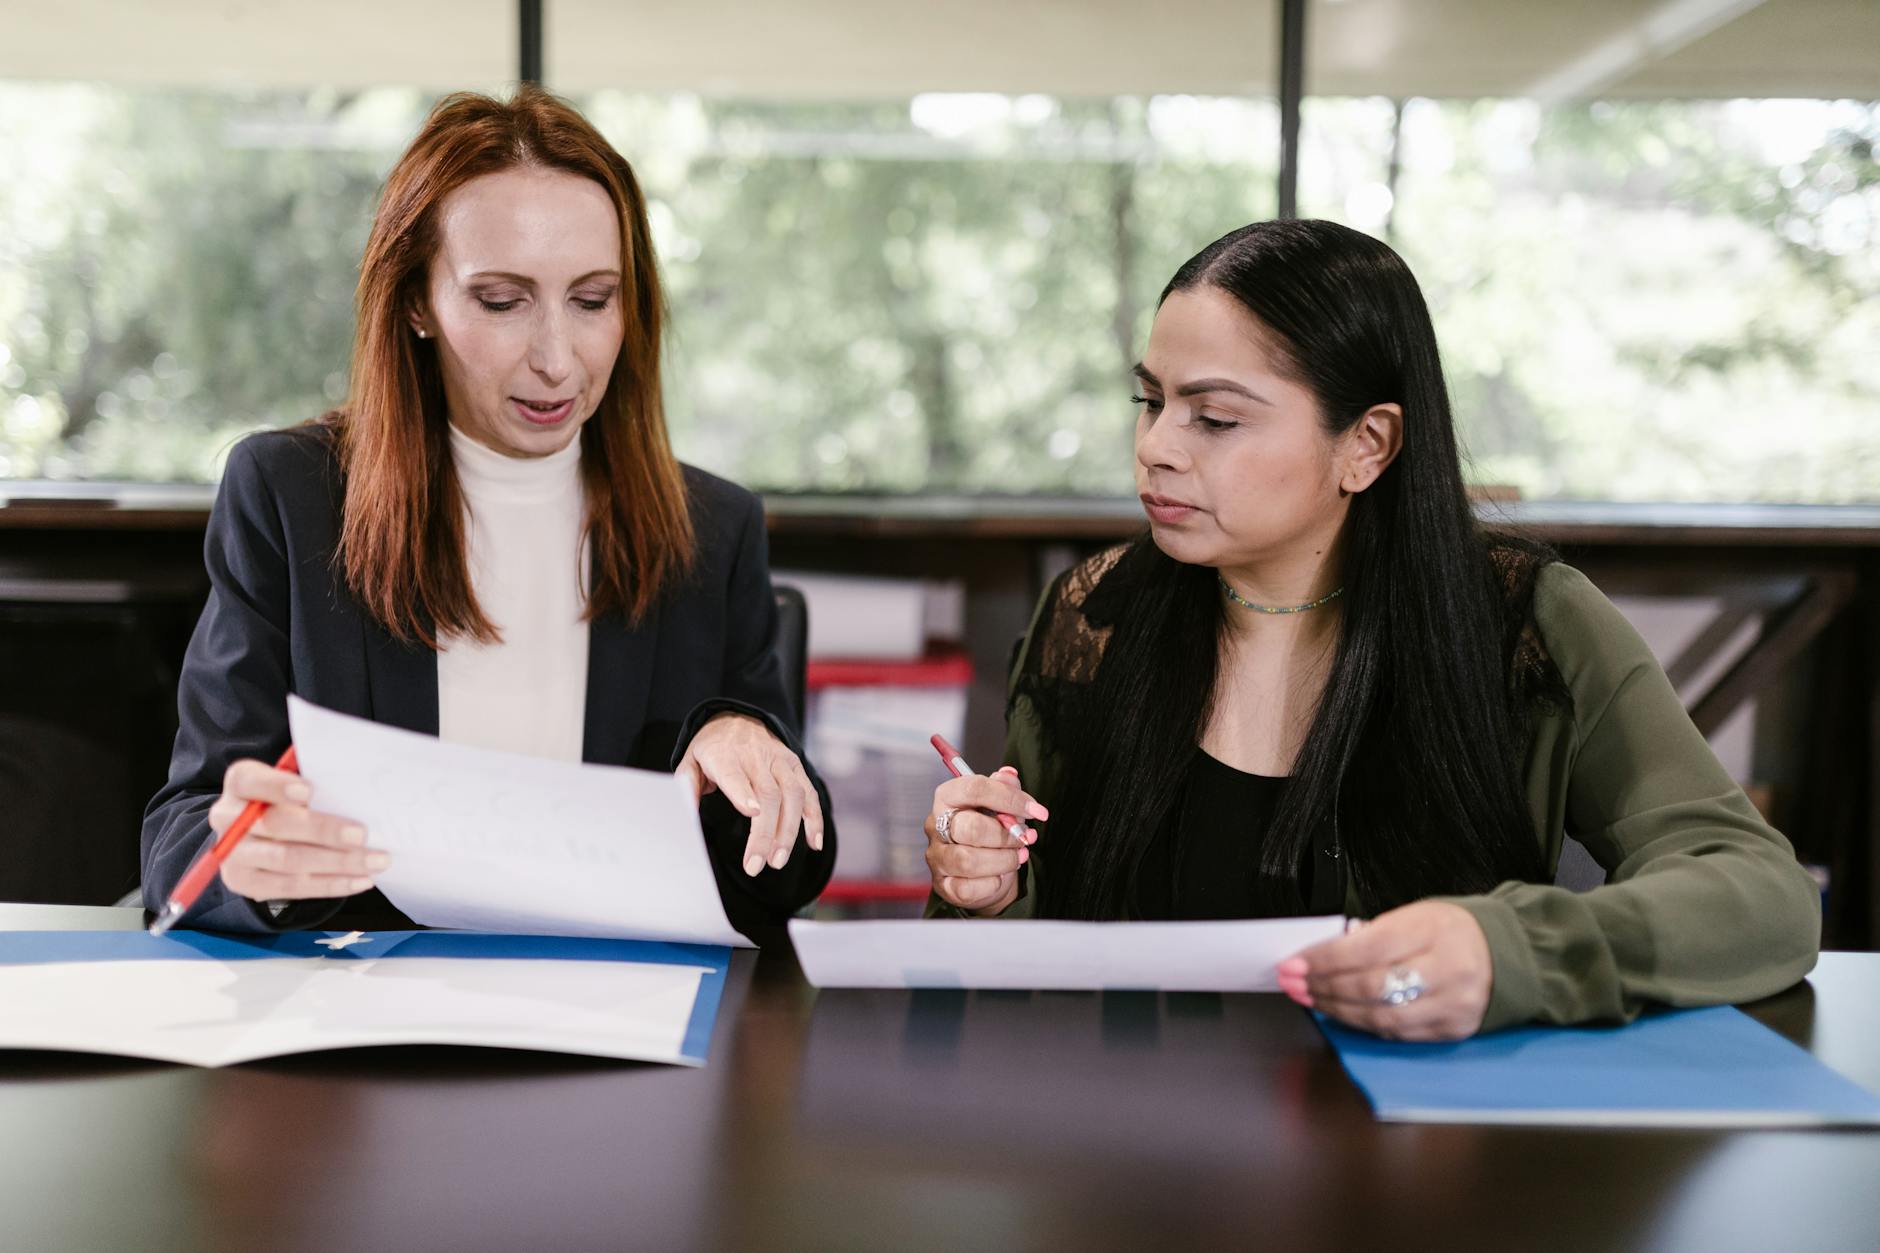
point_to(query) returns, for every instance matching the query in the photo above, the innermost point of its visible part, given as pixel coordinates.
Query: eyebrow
(525, 281)
(1201, 386)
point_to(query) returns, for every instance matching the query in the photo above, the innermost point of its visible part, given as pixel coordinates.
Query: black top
(280, 620)
(1206, 863)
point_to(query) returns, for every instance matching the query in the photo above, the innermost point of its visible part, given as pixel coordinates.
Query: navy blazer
(280, 620)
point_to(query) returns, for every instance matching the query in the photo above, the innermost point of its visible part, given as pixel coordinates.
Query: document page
(1026, 953)
(210, 1000)
(483, 840)
(207, 1014)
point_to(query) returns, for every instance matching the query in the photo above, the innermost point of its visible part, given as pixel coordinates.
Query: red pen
(207, 866)
(957, 764)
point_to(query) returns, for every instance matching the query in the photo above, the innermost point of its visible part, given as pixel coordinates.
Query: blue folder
(42, 947)
(1677, 1068)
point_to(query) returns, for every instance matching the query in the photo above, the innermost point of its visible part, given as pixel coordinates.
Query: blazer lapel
(401, 682)
(620, 674)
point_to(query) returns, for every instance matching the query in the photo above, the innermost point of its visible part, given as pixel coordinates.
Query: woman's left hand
(737, 755)
(1432, 954)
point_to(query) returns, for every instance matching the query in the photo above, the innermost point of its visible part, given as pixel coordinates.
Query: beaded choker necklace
(1244, 603)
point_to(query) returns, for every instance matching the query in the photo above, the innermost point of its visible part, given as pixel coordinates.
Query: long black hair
(1411, 766)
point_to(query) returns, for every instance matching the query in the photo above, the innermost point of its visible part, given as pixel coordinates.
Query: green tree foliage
(1667, 300)
(176, 268)
(1672, 300)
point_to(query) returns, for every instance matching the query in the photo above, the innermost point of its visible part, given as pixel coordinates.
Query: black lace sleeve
(1067, 638)
(1533, 678)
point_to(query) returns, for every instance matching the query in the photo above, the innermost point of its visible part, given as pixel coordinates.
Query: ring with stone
(943, 825)
(1401, 986)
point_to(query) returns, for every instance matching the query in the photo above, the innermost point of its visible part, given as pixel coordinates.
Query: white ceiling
(895, 48)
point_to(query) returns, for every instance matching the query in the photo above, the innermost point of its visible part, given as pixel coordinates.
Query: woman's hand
(292, 852)
(1430, 957)
(736, 754)
(976, 867)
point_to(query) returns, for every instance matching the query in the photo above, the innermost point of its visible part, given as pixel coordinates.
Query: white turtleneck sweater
(528, 561)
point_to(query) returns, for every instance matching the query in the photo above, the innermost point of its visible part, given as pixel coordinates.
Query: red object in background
(871, 891)
(940, 668)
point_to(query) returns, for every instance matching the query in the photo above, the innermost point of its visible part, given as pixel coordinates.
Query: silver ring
(1401, 986)
(943, 825)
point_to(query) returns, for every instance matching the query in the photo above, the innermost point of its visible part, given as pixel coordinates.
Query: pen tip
(165, 920)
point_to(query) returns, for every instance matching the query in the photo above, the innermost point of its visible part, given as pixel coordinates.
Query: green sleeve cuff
(1020, 907)
(1515, 995)
(937, 908)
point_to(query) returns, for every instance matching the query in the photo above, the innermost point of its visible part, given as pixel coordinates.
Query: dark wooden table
(895, 1120)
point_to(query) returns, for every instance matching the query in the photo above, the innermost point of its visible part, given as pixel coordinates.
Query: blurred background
(912, 247)
(911, 251)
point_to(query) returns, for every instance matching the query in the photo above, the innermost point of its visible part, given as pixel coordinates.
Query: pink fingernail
(1038, 811)
(1024, 855)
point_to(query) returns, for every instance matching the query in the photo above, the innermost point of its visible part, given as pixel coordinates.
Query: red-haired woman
(491, 542)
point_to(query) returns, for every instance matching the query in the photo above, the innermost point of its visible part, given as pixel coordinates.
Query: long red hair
(401, 547)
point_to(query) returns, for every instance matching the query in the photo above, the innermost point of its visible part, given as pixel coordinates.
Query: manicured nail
(299, 792)
(753, 864)
(1293, 968)
(1024, 855)
(378, 861)
(1035, 810)
(815, 841)
(352, 835)
(781, 855)
(359, 885)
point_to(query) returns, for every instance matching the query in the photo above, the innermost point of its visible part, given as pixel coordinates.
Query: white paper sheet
(490, 841)
(206, 1013)
(1026, 953)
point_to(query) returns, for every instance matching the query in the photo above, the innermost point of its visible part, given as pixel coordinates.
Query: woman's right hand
(977, 868)
(292, 852)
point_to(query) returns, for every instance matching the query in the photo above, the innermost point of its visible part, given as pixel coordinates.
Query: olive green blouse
(1704, 901)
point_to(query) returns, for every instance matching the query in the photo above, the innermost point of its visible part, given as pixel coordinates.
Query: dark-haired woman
(1318, 686)
(491, 542)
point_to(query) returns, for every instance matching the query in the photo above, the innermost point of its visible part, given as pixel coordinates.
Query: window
(1643, 300)
(937, 294)
(177, 268)
(914, 249)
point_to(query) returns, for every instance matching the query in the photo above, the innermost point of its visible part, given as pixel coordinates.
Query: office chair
(1577, 872)
(792, 649)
